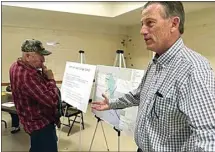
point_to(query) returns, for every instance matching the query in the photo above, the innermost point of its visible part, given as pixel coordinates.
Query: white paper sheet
(101, 79)
(123, 86)
(8, 104)
(115, 82)
(136, 78)
(99, 91)
(127, 121)
(77, 84)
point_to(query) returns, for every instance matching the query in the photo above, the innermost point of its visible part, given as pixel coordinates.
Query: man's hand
(101, 105)
(47, 72)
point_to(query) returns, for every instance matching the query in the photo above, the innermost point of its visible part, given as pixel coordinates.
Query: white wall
(99, 42)
(199, 35)
(137, 54)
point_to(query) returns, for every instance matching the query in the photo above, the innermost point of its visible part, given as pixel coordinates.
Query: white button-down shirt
(176, 100)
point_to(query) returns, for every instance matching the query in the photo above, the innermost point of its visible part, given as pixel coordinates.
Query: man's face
(155, 28)
(35, 59)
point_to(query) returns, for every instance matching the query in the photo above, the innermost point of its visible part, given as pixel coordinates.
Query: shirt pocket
(163, 106)
(170, 119)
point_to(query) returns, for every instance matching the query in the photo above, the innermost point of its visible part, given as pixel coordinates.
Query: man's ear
(27, 56)
(175, 23)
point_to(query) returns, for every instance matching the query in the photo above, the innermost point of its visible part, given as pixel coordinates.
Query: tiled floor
(20, 141)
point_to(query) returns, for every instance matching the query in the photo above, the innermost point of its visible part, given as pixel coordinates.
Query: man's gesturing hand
(101, 105)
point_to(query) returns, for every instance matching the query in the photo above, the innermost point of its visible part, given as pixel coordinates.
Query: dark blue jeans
(44, 140)
(15, 120)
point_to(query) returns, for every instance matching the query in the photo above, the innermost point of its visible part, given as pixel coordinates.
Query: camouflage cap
(32, 45)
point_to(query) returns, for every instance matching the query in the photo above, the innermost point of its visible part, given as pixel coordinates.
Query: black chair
(72, 112)
(8, 89)
(5, 123)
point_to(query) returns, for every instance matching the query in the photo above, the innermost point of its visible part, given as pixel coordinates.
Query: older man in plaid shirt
(176, 97)
(36, 96)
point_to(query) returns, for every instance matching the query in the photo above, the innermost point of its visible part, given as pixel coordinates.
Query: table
(7, 98)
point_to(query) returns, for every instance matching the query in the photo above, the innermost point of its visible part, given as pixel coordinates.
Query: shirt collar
(26, 66)
(165, 58)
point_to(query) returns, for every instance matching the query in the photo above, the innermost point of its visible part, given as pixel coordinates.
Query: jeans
(15, 120)
(44, 140)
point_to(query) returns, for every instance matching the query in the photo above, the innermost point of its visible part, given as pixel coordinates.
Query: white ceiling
(104, 9)
(121, 13)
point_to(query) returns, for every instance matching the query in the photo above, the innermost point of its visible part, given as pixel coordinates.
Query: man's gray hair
(172, 8)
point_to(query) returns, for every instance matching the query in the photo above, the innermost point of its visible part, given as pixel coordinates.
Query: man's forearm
(127, 100)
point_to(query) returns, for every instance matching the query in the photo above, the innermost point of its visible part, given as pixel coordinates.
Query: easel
(82, 61)
(82, 57)
(98, 120)
(120, 60)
